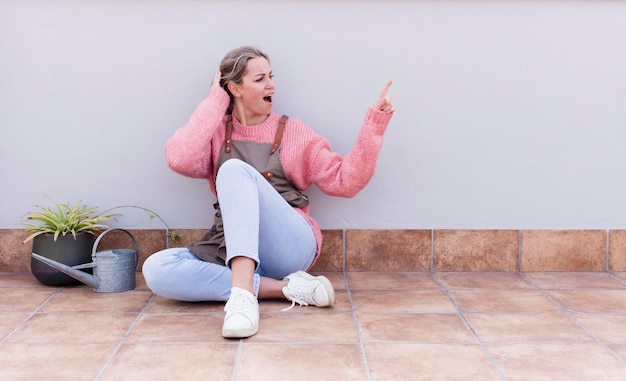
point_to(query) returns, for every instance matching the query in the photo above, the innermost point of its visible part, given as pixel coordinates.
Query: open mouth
(267, 98)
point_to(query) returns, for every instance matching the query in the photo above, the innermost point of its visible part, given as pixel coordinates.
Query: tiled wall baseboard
(406, 250)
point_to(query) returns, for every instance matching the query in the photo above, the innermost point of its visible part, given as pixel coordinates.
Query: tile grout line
(344, 260)
(620, 280)
(519, 251)
(608, 242)
(572, 318)
(432, 250)
(237, 359)
(344, 250)
(121, 342)
(494, 362)
(358, 328)
(30, 315)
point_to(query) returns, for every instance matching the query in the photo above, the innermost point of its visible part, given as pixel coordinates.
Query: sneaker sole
(325, 282)
(239, 333)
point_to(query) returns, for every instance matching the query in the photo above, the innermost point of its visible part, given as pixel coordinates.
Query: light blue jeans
(258, 223)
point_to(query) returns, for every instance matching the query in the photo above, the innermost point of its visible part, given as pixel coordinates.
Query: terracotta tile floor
(384, 326)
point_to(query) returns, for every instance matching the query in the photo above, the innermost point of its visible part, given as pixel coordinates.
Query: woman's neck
(249, 120)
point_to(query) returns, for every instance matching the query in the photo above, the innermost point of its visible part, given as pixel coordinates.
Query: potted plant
(169, 233)
(64, 233)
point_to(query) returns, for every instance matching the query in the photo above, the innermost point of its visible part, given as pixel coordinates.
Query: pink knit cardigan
(307, 157)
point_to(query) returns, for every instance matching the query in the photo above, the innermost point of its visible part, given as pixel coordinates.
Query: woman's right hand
(217, 78)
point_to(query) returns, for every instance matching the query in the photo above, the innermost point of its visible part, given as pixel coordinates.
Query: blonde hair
(234, 66)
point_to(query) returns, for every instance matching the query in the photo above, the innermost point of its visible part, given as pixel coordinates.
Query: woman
(257, 163)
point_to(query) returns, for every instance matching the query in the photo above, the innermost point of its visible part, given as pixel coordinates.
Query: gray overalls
(265, 158)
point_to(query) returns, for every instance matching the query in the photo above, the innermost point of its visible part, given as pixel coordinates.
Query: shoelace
(237, 305)
(302, 299)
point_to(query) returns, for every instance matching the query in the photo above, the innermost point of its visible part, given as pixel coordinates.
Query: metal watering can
(113, 270)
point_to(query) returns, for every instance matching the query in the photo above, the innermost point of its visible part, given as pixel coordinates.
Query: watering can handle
(95, 245)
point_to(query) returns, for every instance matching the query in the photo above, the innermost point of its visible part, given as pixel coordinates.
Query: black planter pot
(66, 250)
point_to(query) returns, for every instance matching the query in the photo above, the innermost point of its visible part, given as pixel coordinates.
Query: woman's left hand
(383, 103)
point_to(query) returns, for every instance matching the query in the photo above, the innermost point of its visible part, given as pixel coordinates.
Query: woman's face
(253, 96)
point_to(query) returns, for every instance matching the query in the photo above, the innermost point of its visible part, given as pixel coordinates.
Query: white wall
(510, 114)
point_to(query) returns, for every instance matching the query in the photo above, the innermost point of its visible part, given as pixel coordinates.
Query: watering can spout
(71, 271)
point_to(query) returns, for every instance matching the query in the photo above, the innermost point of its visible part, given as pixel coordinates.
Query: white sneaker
(242, 314)
(306, 289)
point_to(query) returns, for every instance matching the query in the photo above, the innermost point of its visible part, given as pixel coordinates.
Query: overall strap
(228, 143)
(279, 133)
